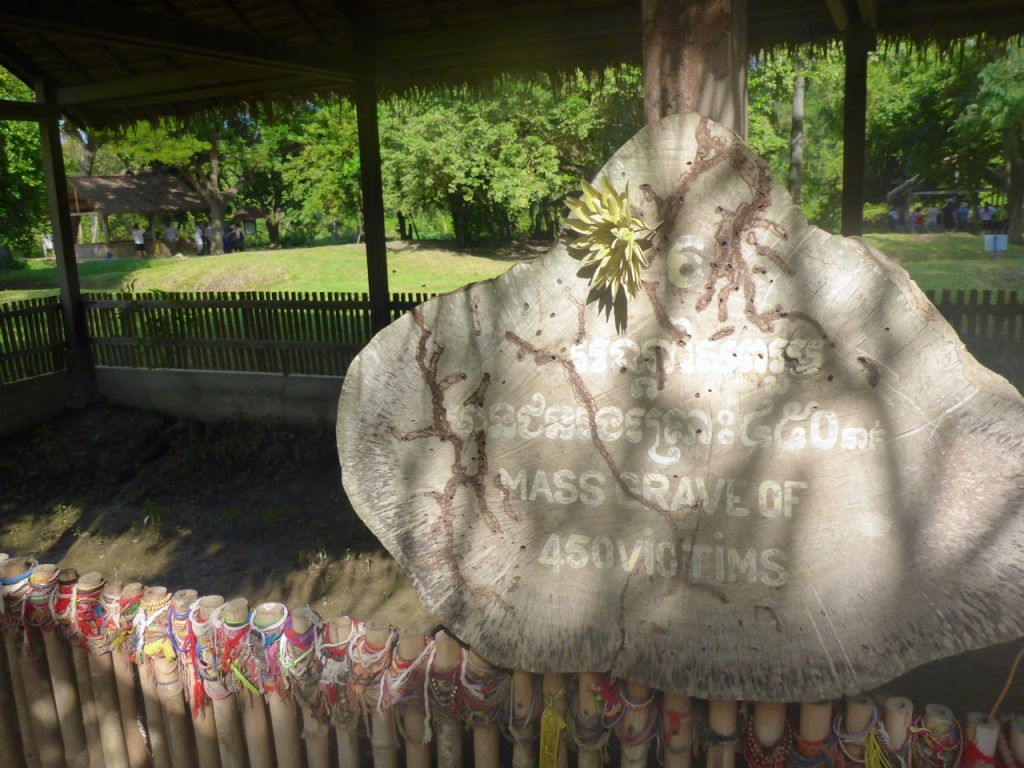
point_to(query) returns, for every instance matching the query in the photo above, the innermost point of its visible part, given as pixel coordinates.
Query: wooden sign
(775, 475)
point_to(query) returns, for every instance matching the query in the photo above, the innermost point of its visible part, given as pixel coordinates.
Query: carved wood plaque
(782, 479)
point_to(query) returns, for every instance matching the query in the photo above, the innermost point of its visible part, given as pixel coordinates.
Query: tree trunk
(796, 140)
(1014, 187)
(695, 60)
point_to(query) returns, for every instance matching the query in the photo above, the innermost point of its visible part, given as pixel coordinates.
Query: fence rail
(321, 333)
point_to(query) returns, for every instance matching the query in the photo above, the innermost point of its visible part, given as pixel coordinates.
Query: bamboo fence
(320, 334)
(99, 673)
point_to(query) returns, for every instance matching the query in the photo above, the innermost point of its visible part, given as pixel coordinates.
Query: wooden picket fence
(291, 333)
(321, 333)
(32, 341)
(100, 673)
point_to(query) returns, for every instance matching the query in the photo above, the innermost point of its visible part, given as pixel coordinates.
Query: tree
(23, 209)
(321, 185)
(213, 153)
(998, 112)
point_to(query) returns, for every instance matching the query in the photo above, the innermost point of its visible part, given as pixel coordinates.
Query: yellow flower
(607, 238)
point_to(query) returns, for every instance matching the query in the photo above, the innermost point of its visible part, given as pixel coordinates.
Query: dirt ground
(241, 509)
(256, 509)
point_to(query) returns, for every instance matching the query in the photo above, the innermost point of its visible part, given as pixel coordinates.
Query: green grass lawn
(954, 261)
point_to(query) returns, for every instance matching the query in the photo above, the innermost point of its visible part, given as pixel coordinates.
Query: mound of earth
(238, 508)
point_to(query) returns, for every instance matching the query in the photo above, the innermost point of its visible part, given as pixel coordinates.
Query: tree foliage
(23, 213)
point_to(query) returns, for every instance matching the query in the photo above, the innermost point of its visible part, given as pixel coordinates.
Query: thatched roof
(143, 193)
(113, 61)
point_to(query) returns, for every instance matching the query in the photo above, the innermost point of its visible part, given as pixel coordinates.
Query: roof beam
(27, 110)
(839, 15)
(110, 24)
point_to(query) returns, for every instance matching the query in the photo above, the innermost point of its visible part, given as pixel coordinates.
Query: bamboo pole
(65, 692)
(10, 571)
(230, 740)
(124, 679)
(382, 725)
(68, 581)
(204, 726)
(589, 711)
(180, 740)
(101, 670)
(899, 712)
(283, 719)
(523, 726)
(637, 723)
(158, 740)
(722, 717)
(860, 712)
(937, 718)
(555, 708)
(983, 732)
(10, 743)
(253, 707)
(486, 745)
(411, 643)
(447, 657)
(38, 688)
(315, 734)
(1016, 737)
(338, 633)
(678, 713)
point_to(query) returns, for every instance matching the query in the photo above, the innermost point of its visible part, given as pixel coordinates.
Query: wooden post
(983, 732)
(154, 609)
(485, 734)
(124, 678)
(859, 716)
(899, 712)
(81, 373)
(678, 726)
(373, 203)
(722, 717)
(447, 657)
(338, 634)
(555, 708)
(382, 726)
(314, 733)
(104, 685)
(636, 726)
(13, 570)
(588, 706)
(254, 712)
(64, 613)
(230, 740)
(267, 624)
(411, 643)
(695, 60)
(856, 44)
(65, 693)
